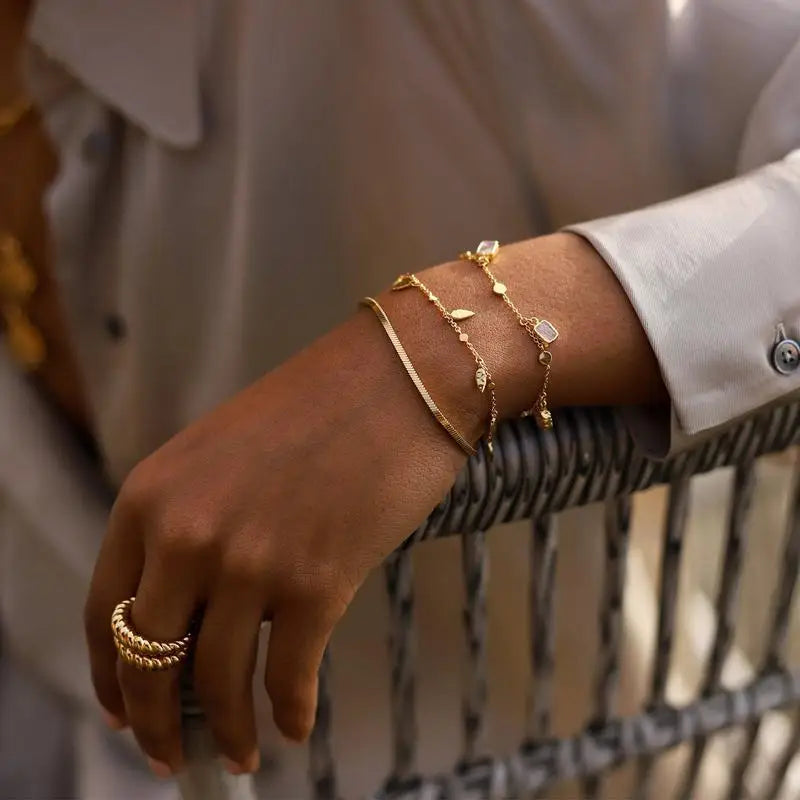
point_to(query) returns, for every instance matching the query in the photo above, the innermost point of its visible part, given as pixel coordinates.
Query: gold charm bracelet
(542, 332)
(483, 378)
(370, 302)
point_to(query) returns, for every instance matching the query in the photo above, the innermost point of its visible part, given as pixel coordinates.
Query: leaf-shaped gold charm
(402, 282)
(480, 379)
(462, 313)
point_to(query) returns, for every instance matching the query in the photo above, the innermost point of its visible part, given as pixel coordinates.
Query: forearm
(602, 355)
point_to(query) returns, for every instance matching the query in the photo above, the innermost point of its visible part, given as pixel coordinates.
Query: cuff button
(786, 356)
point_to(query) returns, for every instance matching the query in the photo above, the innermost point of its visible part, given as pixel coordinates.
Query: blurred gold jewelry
(370, 302)
(542, 332)
(483, 378)
(17, 277)
(24, 339)
(12, 114)
(17, 284)
(140, 652)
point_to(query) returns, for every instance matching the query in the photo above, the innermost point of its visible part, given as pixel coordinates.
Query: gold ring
(143, 653)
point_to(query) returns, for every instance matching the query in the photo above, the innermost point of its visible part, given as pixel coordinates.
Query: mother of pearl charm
(499, 288)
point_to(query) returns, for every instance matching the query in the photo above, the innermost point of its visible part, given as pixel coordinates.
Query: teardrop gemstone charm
(462, 313)
(480, 379)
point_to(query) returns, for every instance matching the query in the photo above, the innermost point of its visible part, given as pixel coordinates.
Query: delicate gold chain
(529, 324)
(370, 302)
(483, 378)
(12, 114)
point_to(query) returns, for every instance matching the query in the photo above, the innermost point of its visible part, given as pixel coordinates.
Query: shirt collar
(141, 58)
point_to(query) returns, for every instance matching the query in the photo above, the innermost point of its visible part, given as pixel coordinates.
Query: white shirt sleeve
(715, 276)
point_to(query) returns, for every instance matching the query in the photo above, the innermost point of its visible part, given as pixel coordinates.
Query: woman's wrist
(602, 355)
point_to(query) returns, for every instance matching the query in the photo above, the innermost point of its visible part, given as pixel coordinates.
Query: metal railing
(587, 458)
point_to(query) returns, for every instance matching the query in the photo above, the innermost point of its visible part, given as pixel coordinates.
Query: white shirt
(234, 175)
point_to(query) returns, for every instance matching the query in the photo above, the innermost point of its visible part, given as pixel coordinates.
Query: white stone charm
(546, 331)
(488, 248)
(463, 337)
(480, 378)
(499, 288)
(462, 313)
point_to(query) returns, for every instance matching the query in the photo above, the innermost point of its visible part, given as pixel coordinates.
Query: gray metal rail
(588, 457)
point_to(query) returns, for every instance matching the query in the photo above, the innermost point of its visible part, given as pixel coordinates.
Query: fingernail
(249, 764)
(113, 722)
(159, 768)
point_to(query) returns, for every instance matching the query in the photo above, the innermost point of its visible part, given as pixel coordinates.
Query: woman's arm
(601, 357)
(279, 503)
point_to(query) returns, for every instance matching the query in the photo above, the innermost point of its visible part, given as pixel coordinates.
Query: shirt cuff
(712, 276)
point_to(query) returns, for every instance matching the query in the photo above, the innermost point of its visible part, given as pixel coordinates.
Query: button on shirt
(786, 356)
(269, 163)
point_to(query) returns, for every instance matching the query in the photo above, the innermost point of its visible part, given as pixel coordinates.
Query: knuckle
(245, 570)
(183, 536)
(326, 586)
(137, 495)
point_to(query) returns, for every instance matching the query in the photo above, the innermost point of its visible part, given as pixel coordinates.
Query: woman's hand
(275, 506)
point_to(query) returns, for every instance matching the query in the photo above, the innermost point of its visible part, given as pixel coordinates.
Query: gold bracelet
(542, 332)
(483, 378)
(370, 302)
(12, 114)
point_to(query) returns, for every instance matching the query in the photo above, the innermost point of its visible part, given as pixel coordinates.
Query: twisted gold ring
(143, 653)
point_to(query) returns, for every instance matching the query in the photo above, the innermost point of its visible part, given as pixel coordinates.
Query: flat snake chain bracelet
(370, 302)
